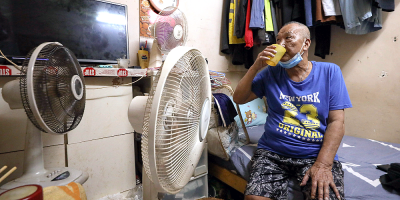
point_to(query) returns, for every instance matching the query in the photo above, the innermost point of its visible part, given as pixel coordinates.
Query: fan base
(49, 177)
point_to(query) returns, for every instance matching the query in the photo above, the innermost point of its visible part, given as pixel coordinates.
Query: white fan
(174, 119)
(169, 31)
(52, 92)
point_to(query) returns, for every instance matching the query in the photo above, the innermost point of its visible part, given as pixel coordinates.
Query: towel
(226, 109)
(72, 191)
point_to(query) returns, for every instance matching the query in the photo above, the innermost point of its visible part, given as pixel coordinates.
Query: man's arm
(321, 172)
(243, 93)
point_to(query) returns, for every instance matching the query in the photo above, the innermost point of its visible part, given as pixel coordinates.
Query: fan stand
(149, 190)
(34, 171)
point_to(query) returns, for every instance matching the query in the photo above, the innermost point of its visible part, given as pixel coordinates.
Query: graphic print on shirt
(301, 121)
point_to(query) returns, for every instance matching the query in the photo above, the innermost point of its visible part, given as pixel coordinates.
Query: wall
(370, 66)
(204, 21)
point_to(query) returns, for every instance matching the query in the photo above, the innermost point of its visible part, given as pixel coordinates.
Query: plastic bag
(135, 193)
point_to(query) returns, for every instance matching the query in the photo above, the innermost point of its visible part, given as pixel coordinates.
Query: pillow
(253, 113)
(223, 140)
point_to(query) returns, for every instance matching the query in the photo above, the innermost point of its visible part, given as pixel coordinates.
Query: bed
(359, 158)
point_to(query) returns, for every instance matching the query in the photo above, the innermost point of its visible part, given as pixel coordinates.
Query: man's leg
(338, 177)
(253, 197)
(268, 177)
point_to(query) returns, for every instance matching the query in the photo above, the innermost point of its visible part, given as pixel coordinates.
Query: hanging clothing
(292, 11)
(269, 25)
(240, 22)
(232, 38)
(323, 29)
(248, 58)
(319, 13)
(322, 40)
(308, 12)
(257, 15)
(242, 56)
(360, 16)
(331, 7)
(274, 20)
(238, 57)
(263, 37)
(225, 26)
(235, 27)
(248, 34)
(386, 5)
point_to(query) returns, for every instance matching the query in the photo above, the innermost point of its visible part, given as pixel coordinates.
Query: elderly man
(305, 123)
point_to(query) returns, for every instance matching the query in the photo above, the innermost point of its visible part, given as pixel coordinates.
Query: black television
(95, 31)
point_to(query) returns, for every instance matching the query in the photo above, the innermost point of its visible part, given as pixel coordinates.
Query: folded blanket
(72, 191)
(226, 109)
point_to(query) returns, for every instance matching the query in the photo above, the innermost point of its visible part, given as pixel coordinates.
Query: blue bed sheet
(358, 156)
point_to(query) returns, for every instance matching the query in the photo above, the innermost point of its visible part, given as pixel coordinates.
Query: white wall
(205, 21)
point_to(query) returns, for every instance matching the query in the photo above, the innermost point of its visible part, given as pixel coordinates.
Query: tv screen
(96, 31)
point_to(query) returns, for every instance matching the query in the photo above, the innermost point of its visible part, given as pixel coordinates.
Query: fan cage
(168, 20)
(51, 81)
(177, 130)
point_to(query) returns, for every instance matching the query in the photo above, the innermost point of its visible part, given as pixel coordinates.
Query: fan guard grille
(170, 29)
(178, 119)
(52, 73)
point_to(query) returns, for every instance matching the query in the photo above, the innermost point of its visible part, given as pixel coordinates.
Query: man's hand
(243, 93)
(263, 56)
(321, 179)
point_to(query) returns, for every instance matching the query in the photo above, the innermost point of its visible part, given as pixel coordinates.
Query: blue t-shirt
(298, 111)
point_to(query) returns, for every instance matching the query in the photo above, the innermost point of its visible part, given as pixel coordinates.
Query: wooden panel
(226, 176)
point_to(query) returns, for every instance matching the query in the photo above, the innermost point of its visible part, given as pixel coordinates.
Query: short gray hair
(304, 29)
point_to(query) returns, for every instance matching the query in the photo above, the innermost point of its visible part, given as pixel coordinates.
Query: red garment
(248, 33)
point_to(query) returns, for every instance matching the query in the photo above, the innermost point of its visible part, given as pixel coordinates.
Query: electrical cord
(126, 84)
(4, 57)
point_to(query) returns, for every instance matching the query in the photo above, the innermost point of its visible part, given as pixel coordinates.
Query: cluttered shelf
(10, 70)
(217, 79)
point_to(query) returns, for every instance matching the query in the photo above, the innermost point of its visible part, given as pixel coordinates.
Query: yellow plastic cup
(280, 51)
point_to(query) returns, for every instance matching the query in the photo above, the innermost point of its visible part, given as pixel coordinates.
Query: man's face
(291, 38)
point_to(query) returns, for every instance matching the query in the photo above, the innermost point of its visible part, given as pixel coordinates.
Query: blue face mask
(293, 61)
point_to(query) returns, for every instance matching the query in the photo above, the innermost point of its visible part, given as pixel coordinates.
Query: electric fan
(52, 92)
(169, 31)
(174, 120)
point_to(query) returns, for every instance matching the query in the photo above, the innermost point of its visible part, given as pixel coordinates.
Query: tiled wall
(102, 144)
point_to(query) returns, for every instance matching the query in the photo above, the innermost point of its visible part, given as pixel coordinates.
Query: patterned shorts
(271, 172)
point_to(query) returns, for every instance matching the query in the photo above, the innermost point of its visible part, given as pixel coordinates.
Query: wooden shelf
(9, 70)
(119, 72)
